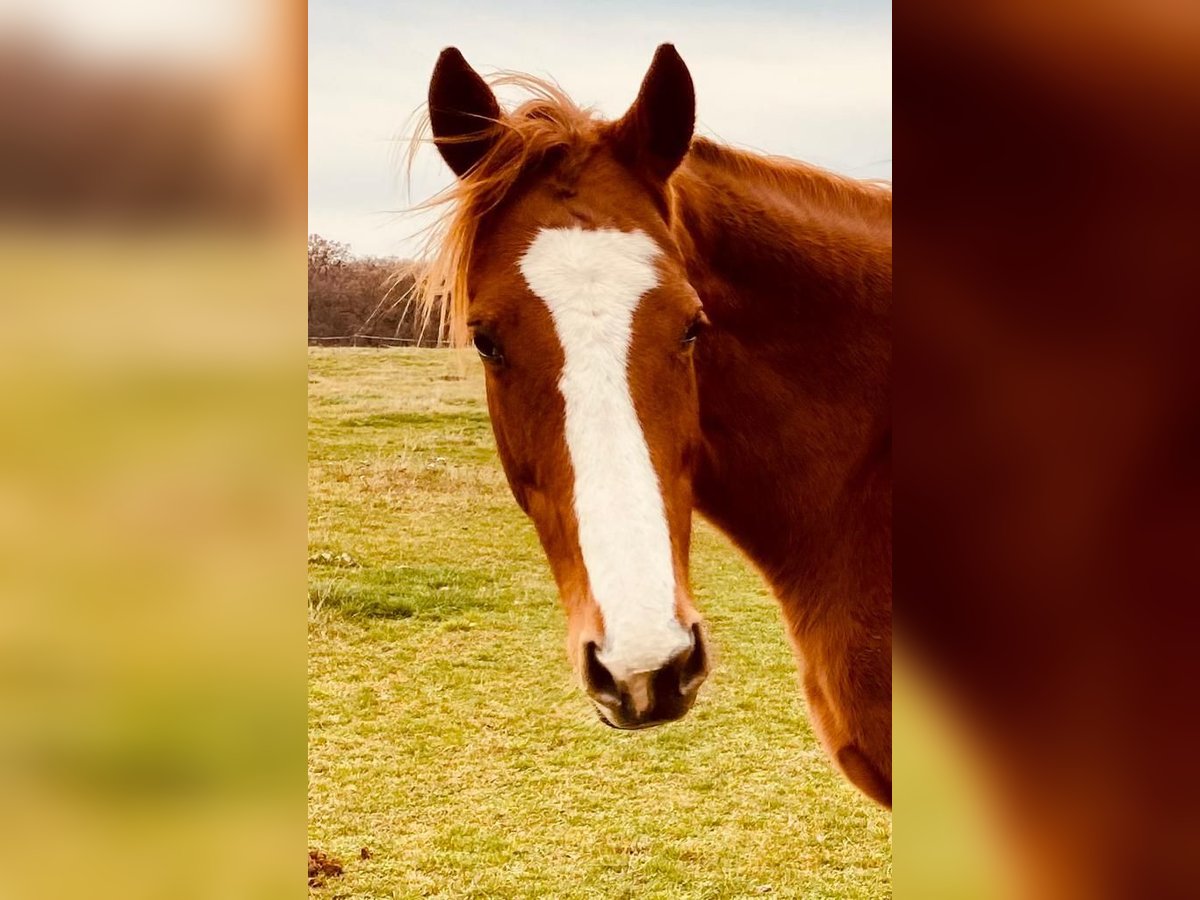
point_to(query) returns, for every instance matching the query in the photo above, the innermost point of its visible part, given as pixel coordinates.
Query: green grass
(446, 735)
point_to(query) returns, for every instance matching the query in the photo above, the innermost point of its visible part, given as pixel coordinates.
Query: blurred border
(1048, 446)
(152, 473)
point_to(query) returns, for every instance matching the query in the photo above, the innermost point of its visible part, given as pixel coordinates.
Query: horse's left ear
(654, 135)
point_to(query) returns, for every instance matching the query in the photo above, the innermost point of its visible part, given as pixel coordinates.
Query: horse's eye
(488, 349)
(694, 329)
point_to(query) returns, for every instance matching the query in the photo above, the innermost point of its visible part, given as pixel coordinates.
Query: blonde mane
(549, 123)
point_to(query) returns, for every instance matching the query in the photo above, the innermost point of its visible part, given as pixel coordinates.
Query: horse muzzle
(645, 699)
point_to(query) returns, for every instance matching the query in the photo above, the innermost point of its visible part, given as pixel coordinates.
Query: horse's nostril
(597, 679)
(694, 663)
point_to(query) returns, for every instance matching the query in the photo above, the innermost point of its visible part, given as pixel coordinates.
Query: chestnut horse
(669, 324)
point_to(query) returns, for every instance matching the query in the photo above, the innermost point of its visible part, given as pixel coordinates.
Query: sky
(807, 79)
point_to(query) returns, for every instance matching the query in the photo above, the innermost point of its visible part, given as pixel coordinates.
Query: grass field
(446, 736)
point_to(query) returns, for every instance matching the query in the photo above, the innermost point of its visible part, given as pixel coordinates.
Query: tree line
(364, 300)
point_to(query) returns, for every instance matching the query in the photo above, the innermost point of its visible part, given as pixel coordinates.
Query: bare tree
(363, 300)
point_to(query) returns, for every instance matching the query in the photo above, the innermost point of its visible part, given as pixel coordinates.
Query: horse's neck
(794, 269)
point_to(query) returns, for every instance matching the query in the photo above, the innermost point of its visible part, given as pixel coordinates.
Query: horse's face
(585, 320)
(586, 335)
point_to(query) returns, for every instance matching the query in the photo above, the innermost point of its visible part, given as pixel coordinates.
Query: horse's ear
(654, 135)
(462, 110)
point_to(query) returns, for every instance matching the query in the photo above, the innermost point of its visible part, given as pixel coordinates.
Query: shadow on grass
(402, 592)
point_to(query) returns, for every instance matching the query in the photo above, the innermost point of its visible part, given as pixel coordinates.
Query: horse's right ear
(462, 110)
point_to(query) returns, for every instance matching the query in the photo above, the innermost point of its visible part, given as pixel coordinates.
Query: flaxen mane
(547, 126)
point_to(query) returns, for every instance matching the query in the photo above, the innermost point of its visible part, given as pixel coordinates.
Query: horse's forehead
(598, 193)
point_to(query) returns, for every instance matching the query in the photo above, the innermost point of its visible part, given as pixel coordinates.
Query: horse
(670, 324)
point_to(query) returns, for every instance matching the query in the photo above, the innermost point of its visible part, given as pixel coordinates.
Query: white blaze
(592, 283)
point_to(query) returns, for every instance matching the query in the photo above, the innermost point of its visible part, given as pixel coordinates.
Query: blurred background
(1047, 398)
(152, 170)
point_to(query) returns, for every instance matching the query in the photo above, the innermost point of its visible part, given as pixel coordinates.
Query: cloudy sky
(808, 79)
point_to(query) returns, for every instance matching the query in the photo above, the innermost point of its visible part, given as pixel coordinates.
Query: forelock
(548, 129)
